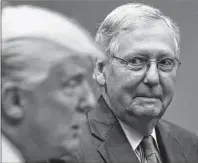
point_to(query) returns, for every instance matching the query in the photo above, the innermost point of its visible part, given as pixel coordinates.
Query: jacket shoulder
(178, 131)
(188, 140)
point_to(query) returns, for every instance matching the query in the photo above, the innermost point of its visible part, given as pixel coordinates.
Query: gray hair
(128, 17)
(34, 39)
(26, 61)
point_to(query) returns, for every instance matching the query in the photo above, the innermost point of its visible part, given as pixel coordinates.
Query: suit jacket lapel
(114, 146)
(170, 145)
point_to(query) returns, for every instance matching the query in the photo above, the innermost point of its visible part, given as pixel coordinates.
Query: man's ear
(12, 107)
(99, 74)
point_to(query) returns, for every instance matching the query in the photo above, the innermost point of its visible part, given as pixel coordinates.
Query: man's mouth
(150, 98)
(147, 100)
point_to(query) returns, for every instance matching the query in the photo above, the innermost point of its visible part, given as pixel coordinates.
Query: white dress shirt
(135, 138)
(9, 152)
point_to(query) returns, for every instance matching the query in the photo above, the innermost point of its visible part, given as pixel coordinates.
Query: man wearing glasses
(137, 86)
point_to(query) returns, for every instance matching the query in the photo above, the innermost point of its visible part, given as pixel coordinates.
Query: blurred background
(184, 108)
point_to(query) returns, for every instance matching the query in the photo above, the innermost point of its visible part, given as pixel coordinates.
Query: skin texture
(140, 98)
(54, 110)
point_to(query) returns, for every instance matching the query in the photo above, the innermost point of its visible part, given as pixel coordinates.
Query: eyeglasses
(138, 63)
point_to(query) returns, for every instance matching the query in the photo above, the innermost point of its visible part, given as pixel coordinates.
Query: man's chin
(149, 111)
(146, 109)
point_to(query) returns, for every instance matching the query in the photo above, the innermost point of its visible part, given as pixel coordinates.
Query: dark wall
(184, 108)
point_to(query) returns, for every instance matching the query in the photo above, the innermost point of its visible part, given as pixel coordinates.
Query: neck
(30, 151)
(25, 147)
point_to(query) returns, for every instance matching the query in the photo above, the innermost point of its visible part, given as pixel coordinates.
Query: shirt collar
(9, 152)
(133, 136)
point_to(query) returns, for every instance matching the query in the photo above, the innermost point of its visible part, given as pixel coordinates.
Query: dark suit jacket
(103, 140)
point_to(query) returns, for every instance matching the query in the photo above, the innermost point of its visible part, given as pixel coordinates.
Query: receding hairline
(124, 17)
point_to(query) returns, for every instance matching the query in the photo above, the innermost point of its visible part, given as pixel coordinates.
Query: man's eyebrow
(145, 53)
(134, 54)
(73, 75)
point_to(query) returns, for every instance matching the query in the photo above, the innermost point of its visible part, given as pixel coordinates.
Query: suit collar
(116, 147)
(101, 120)
(135, 137)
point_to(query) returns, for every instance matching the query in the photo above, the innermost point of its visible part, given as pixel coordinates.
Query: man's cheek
(124, 98)
(168, 87)
(73, 102)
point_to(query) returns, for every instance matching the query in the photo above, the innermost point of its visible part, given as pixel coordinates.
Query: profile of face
(59, 104)
(142, 92)
(54, 110)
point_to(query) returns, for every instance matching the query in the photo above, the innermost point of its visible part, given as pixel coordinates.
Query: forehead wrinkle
(160, 51)
(136, 37)
(148, 54)
(150, 29)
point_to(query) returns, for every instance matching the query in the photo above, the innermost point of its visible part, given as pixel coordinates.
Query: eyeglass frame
(148, 63)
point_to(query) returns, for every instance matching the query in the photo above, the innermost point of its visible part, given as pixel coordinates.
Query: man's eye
(166, 62)
(74, 82)
(138, 61)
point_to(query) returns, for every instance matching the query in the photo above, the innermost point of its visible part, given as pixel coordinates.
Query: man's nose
(152, 75)
(88, 100)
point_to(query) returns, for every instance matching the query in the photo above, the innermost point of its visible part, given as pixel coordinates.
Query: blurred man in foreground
(137, 86)
(45, 92)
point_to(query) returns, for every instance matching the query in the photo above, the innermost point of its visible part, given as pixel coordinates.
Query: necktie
(150, 152)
